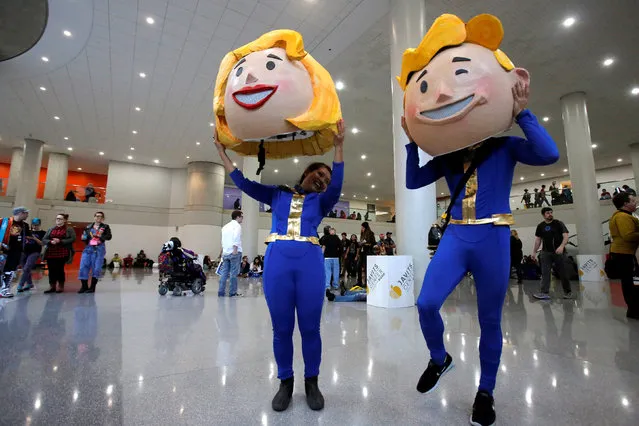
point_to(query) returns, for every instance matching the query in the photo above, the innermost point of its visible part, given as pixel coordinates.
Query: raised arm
(331, 196)
(418, 177)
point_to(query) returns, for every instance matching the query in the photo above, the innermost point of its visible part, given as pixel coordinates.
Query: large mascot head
(272, 91)
(458, 84)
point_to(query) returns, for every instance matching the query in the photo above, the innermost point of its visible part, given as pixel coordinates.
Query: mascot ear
(522, 75)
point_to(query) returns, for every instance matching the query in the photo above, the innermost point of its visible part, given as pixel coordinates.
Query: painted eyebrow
(270, 55)
(421, 75)
(239, 63)
(460, 59)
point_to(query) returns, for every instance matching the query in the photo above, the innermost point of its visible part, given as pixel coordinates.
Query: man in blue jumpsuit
(460, 91)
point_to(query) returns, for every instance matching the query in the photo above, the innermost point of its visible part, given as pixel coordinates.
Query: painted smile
(452, 111)
(252, 97)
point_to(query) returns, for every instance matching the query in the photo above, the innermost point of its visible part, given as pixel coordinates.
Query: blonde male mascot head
(458, 84)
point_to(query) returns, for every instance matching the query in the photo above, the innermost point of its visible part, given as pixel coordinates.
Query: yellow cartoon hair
(320, 118)
(448, 30)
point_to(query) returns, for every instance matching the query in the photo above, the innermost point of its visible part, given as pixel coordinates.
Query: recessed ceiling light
(441, 193)
(342, 194)
(619, 160)
(363, 157)
(373, 186)
(521, 178)
(55, 117)
(143, 75)
(354, 195)
(355, 130)
(276, 171)
(569, 22)
(542, 174)
(132, 148)
(339, 85)
(187, 157)
(138, 109)
(565, 170)
(130, 157)
(101, 152)
(546, 118)
(45, 59)
(67, 33)
(366, 198)
(211, 124)
(635, 91)
(197, 143)
(69, 149)
(44, 89)
(80, 169)
(135, 132)
(156, 161)
(594, 145)
(66, 138)
(234, 164)
(295, 160)
(608, 61)
(150, 20)
(368, 174)
(376, 199)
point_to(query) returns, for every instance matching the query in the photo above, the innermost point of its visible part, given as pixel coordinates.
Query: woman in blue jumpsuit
(294, 265)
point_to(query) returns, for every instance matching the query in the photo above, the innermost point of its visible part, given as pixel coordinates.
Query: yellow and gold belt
(277, 237)
(496, 219)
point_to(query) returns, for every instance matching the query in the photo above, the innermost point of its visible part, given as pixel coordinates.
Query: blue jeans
(331, 266)
(91, 261)
(230, 266)
(29, 263)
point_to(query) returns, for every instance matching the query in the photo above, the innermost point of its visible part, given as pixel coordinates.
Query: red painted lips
(252, 97)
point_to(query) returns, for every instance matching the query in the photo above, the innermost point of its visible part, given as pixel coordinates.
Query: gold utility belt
(496, 219)
(276, 237)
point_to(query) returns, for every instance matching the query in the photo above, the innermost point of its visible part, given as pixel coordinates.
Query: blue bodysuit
(478, 237)
(294, 266)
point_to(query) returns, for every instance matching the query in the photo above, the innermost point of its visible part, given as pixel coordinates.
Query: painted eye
(423, 86)
(239, 71)
(461, 71)
(270, 65)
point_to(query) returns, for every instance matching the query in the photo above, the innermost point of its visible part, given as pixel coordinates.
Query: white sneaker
(6, 293)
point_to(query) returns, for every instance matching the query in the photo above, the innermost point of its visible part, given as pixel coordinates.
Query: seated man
(128, 261)
(116, 259)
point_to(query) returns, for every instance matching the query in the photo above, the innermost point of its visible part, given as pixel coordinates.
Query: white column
(416, 210)
(634, 155)
(584, 185)
(250, 211)
(57, 171)
(15, 171)
(31, 163)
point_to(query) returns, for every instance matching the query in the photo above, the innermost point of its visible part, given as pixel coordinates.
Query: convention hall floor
(129, 356)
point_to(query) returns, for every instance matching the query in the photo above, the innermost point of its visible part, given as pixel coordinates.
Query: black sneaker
(430, 378)
(314, 397)
(284, 395)
(329, 295)
(483, 410)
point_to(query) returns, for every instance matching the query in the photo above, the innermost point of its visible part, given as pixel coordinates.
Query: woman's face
(363, 229)
(265, 89)
(354, 238)
(317, 180)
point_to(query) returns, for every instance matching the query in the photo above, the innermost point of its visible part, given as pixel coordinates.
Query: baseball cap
(36, 221)
(20, 209)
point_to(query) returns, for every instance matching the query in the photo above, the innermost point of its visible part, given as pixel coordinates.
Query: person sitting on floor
(128, 261)
(256, 268)
(245, 267)
(116, 259)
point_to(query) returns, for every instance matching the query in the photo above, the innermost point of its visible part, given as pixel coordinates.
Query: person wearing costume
(273, 100)
(32, 250)
(95, 235)
(460, 91)
(14, 232)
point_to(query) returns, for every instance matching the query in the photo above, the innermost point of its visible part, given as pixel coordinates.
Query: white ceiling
(93, 83)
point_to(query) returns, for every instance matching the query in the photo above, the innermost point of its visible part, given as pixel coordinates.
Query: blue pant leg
(327, 272)
(279, 291)
(444, 272)
(225, 270)
(336, 272)
(29, 263)
(86, 262)
(490, 266)
(234, 265)
(98, 261)
(309, 299)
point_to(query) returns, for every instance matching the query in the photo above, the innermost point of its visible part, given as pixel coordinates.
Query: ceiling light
(187, 157)
(373, 186)
(101, 152)
(67, 33)
(276, 171)
(569, 22)
(342, 194)
(565, 170)
(635, 91)
(363, 157)
(521, 178)
(138, 109)
(234, 164)
(143, 75)
(211, 124)
(66, 138)
(368, 174)
(339, 85)
(156, 161)
(295, 160)
(135, 132)
(543, 174)
(150, 20)
(366, 198)
(619, 160)
(130, 157)
(441, 193)
(132, 148)
(376, 199)
(69, 149)
(608, 61)
(354, 195)
(55, 117)
(44, 89)
(197, 143)
(594, 145)
(546, 118)
(79, 169)
(355, 130)
(45, 59)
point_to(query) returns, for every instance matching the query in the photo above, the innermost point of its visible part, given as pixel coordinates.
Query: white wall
(178, 188)
(139, 185)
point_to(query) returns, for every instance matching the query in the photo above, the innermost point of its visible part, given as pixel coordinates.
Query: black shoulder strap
(480, 155)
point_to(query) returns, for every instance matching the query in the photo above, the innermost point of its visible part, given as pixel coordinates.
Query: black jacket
(106, 233)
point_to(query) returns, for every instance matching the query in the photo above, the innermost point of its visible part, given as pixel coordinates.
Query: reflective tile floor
(129, 356)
